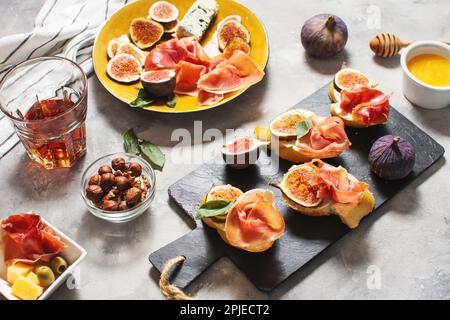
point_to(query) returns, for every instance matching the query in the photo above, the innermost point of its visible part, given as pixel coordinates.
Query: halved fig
(131, 49)
(159, 83)
(163, 11)
(297, 188)
(236, 44)
(124, 68)
(229, 30)
(114, 44)
(171, 27)
(285, 125)
(242, 152)
(145, 32)
(234, 17)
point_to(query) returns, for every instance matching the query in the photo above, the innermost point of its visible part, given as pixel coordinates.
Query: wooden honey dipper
(388, 45)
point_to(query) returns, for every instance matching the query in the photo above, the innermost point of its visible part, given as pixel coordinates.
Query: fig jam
(58, 134)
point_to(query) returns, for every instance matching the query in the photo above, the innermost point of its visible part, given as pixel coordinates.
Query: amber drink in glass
(46, 101)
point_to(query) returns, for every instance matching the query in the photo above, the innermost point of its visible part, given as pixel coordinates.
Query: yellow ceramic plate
(118, 24)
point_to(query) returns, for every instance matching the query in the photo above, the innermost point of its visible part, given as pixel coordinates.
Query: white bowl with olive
(48, 276)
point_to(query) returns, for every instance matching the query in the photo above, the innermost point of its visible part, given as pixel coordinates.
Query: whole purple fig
(324, 35)
(392, 157)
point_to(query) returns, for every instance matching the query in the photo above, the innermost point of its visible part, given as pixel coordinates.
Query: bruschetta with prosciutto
(299, 135)
(247, 221)
(317, 188)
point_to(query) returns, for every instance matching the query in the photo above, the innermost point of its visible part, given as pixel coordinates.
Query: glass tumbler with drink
(46, 101)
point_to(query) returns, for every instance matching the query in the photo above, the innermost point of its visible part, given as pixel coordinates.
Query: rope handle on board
(169, 291)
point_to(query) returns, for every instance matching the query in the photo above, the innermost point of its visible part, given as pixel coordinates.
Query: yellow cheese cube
(26, 289)
(33, 277)
(17, 270)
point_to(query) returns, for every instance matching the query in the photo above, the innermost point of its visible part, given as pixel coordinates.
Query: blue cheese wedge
(197, 20)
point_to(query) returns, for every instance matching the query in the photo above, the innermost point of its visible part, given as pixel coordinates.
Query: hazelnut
(94, 180)
(136, 169)
(118, 173)
(107, 181)
(133, 195)
(104, 169)
(94, 193)
(109, 205)
(118, 164)
(123, 205)
(122, 183)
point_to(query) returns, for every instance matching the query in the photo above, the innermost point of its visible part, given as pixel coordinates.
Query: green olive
(45, 275)
(59, 265)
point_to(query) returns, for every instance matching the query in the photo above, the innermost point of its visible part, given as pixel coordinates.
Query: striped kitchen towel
(63, 27)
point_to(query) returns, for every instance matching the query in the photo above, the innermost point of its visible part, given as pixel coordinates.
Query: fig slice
(145, 32)
(229, 30)
(234, 17)
(124, 68)
(236, 44)
(132, 50)
(114, 44)
(225, 192)
(347, 79)
(221, 192)
(285, 125)
(159, 83)
(297, 188)
(163, 11)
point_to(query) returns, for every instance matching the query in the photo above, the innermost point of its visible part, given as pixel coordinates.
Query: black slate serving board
(304, 237)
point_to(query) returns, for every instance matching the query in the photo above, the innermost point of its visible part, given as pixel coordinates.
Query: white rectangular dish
(73, 254)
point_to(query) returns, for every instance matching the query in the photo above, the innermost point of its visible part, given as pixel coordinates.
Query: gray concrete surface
(407, 241)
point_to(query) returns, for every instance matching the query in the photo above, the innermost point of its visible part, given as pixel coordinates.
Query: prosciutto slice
(325, 139)
(253, 224)
(206, 98)
(238, 72)
(369, 104)
(337, 184)
(188, 75)
(168, 54)
(200, 75)
(26, 238)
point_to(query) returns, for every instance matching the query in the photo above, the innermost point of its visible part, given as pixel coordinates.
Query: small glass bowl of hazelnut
(118, 187)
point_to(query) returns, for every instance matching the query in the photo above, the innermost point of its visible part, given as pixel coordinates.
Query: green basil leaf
(172, 102)
(130, 142)
(303, 127)
(142, 100)
(213, 208)
(153, 153)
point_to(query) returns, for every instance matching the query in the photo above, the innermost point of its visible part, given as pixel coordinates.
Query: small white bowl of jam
(426, 74)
